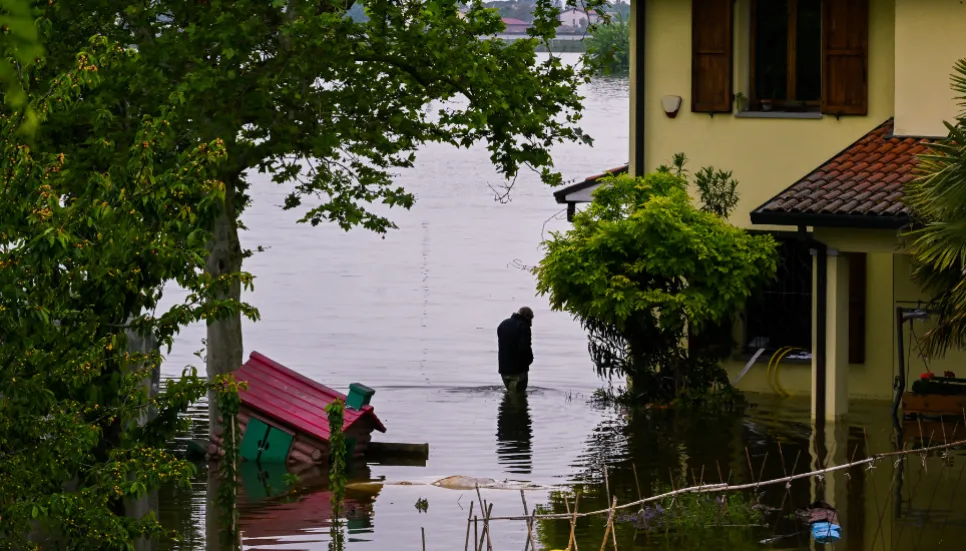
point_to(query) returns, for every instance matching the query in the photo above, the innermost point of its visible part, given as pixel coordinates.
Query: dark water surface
(414, 316)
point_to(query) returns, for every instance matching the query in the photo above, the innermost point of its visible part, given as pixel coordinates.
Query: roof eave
(826, 220)
(376, 421)
(560, 196)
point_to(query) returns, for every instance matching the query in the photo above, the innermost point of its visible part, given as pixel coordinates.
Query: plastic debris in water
(824, 522)
(825, 532)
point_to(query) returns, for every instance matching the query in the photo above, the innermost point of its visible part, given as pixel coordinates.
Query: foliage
(678, 166)
(741, 101)
(229, 403)
(717, 190)
(643, 269)
(523, 9)
(84, 256)
(341, 142)
(937, 199)
(291, 479)
(688, 512)
(328, 105)
(609, 47)
(422, 505)
(621, 8)
(335, 411)
(20, 48)
(336, 533)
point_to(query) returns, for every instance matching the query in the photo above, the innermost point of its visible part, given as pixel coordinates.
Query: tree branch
(415, 73)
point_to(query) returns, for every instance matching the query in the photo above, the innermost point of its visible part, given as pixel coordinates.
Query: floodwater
(413, 315)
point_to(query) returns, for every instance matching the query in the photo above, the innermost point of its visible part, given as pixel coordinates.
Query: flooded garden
(414, 315)
(899, 503)
(253, 258)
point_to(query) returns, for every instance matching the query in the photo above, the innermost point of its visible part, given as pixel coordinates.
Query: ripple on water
(414, 316)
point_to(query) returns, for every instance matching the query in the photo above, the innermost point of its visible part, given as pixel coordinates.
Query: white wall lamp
(671, 105)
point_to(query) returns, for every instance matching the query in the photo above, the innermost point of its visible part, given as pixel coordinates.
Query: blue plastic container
(825, 532)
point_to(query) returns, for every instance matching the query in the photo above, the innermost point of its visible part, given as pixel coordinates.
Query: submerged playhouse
(282, 416)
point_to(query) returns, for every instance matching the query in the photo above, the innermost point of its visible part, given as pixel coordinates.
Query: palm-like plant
(937, 199)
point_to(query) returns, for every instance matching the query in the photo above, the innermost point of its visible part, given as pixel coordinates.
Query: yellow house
(819, 108)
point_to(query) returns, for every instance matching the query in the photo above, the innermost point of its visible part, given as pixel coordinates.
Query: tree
(609, 46)
(20, 45)
(642, 268)
(937, 237)
(621, 8)
(84, 256)
(327, 105)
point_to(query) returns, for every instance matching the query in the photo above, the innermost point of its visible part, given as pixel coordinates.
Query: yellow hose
(788, 350)
(771, 372)
(771, 362)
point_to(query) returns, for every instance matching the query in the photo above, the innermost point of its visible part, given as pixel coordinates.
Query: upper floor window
(785, 61)
(804, 55)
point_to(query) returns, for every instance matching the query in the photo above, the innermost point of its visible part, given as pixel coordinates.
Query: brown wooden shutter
(857, 304)
(845, 57)
(711, 56)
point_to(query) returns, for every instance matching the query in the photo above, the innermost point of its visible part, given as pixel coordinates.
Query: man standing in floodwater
(516, 354)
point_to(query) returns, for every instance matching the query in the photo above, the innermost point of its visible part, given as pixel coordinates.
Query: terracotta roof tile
(865, 179)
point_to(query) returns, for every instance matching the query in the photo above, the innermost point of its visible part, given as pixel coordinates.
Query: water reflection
(514, 434)
(275, 514)
(898, 503)
(902, 504)
(409, 313)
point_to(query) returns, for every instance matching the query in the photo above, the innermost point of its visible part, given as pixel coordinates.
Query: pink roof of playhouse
(279, 393)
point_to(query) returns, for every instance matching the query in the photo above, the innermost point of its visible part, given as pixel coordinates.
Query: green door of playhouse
(265, 444)
(263, 480)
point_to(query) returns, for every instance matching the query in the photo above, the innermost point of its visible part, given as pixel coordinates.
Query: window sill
(777, 115)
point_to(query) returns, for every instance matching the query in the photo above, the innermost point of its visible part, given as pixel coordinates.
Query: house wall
(929, 41)
(889, 284)
(577, 18)
(765, 155)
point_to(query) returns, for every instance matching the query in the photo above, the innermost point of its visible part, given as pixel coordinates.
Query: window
(785, 61)
(858, 278)
(803, 55)
(780, 315)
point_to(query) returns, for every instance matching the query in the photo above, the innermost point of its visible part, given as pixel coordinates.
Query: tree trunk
(138, 343)
(214, 513)
(224, 342)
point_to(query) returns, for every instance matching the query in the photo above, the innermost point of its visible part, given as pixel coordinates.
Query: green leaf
(642, 268)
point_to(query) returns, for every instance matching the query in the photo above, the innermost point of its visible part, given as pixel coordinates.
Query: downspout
(821, 321)
(640, 26)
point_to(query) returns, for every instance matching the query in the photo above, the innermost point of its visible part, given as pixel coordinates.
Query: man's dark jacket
(516, 355)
